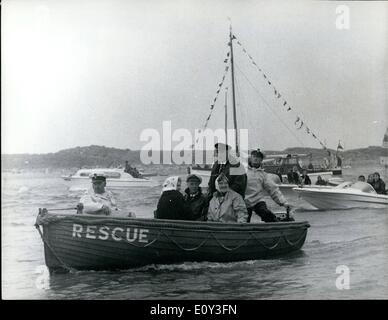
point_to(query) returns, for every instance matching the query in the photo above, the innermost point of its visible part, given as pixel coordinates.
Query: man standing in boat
(97, 200)
(229, 165)
(259, 185)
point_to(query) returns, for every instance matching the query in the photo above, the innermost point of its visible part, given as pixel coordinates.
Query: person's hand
(106, 210)
(80, 207)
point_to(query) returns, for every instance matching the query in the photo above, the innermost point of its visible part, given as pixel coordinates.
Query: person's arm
(274, 191)
(240, 209)
(90, 206)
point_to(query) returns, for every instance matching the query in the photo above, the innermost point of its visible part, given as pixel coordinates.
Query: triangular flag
(285, 102)
(289, 109)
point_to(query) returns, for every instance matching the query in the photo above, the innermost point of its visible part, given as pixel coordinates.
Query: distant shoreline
(101, 156)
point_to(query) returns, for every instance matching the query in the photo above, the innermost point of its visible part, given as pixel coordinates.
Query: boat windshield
(363, 186)
(359, 185)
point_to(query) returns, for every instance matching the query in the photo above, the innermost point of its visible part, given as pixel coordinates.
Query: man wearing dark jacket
(195, 199)
(228, 165)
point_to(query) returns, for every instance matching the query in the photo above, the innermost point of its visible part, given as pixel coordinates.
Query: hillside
(102, 156)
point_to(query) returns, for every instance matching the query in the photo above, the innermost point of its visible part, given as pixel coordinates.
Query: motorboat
(115, 179)
(347, 195)
(288, 188)
(91, 242)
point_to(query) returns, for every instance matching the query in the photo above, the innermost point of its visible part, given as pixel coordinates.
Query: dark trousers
(263, 212)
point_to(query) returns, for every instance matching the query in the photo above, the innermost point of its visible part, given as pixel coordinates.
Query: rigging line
(243, 111)
(269, 107)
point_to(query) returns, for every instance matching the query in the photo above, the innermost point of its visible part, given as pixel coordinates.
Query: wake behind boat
(345, 196)
(115, 179)
(92, 242)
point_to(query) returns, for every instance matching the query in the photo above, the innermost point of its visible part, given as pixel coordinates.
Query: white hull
(116, 179)
(115, 184)
(324, 199)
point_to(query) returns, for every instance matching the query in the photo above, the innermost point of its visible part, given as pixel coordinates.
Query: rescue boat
(91, 242)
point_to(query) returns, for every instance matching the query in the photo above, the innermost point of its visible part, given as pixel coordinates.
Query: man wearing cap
(230, 166)
(195, 199)
(97, 200)
(259, 185)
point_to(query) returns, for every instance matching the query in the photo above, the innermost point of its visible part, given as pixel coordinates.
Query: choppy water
(356, 238)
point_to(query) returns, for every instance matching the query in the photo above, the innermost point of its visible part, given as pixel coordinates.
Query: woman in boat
(378, 184)
(171, 204)
(305, 178)
(226, 205)
(320, 181)
(195, 199)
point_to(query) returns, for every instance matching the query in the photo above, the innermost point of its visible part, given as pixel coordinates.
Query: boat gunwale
(178, 224)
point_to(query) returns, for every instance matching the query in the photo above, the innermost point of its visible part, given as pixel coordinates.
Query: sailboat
(273, 164)
(91, 242)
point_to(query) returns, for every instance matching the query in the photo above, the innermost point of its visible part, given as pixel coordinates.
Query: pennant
(226, 61)
(297, 120)
(279, 95)
(233, 37)
(249, 57)
(269, 82)
(301, 125)
(227, 68)
(276, 92)
(314, 135)
(285, 102)
(289, 109)
(254, 63)
(218, 91)
(307, 130)
(239, 43)
(212, 107)
(245, 51)
(228, 54)
(265, 76)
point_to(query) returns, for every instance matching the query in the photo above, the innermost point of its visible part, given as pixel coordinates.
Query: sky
(77, 73)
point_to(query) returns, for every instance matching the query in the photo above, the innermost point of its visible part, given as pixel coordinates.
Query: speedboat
(347, 195)
(115, 179)
(288, 189)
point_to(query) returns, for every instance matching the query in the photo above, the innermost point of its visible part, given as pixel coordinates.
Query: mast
(233, 90)
(226, 116)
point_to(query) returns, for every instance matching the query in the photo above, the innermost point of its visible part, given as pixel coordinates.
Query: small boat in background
(115, 179)
(90, 242)
(345, 196)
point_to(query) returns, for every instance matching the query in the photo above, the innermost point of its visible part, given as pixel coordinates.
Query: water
(355, 238)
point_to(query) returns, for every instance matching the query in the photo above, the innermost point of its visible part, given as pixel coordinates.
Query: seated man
(259, 185)
(97, 200)
(361, 178)
(226, 205)
(195, 199)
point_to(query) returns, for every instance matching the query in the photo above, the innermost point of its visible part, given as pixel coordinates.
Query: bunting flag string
(226, 61)
(298, 123)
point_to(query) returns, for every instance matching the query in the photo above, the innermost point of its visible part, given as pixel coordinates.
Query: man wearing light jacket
(259, 185)
(97, 200)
